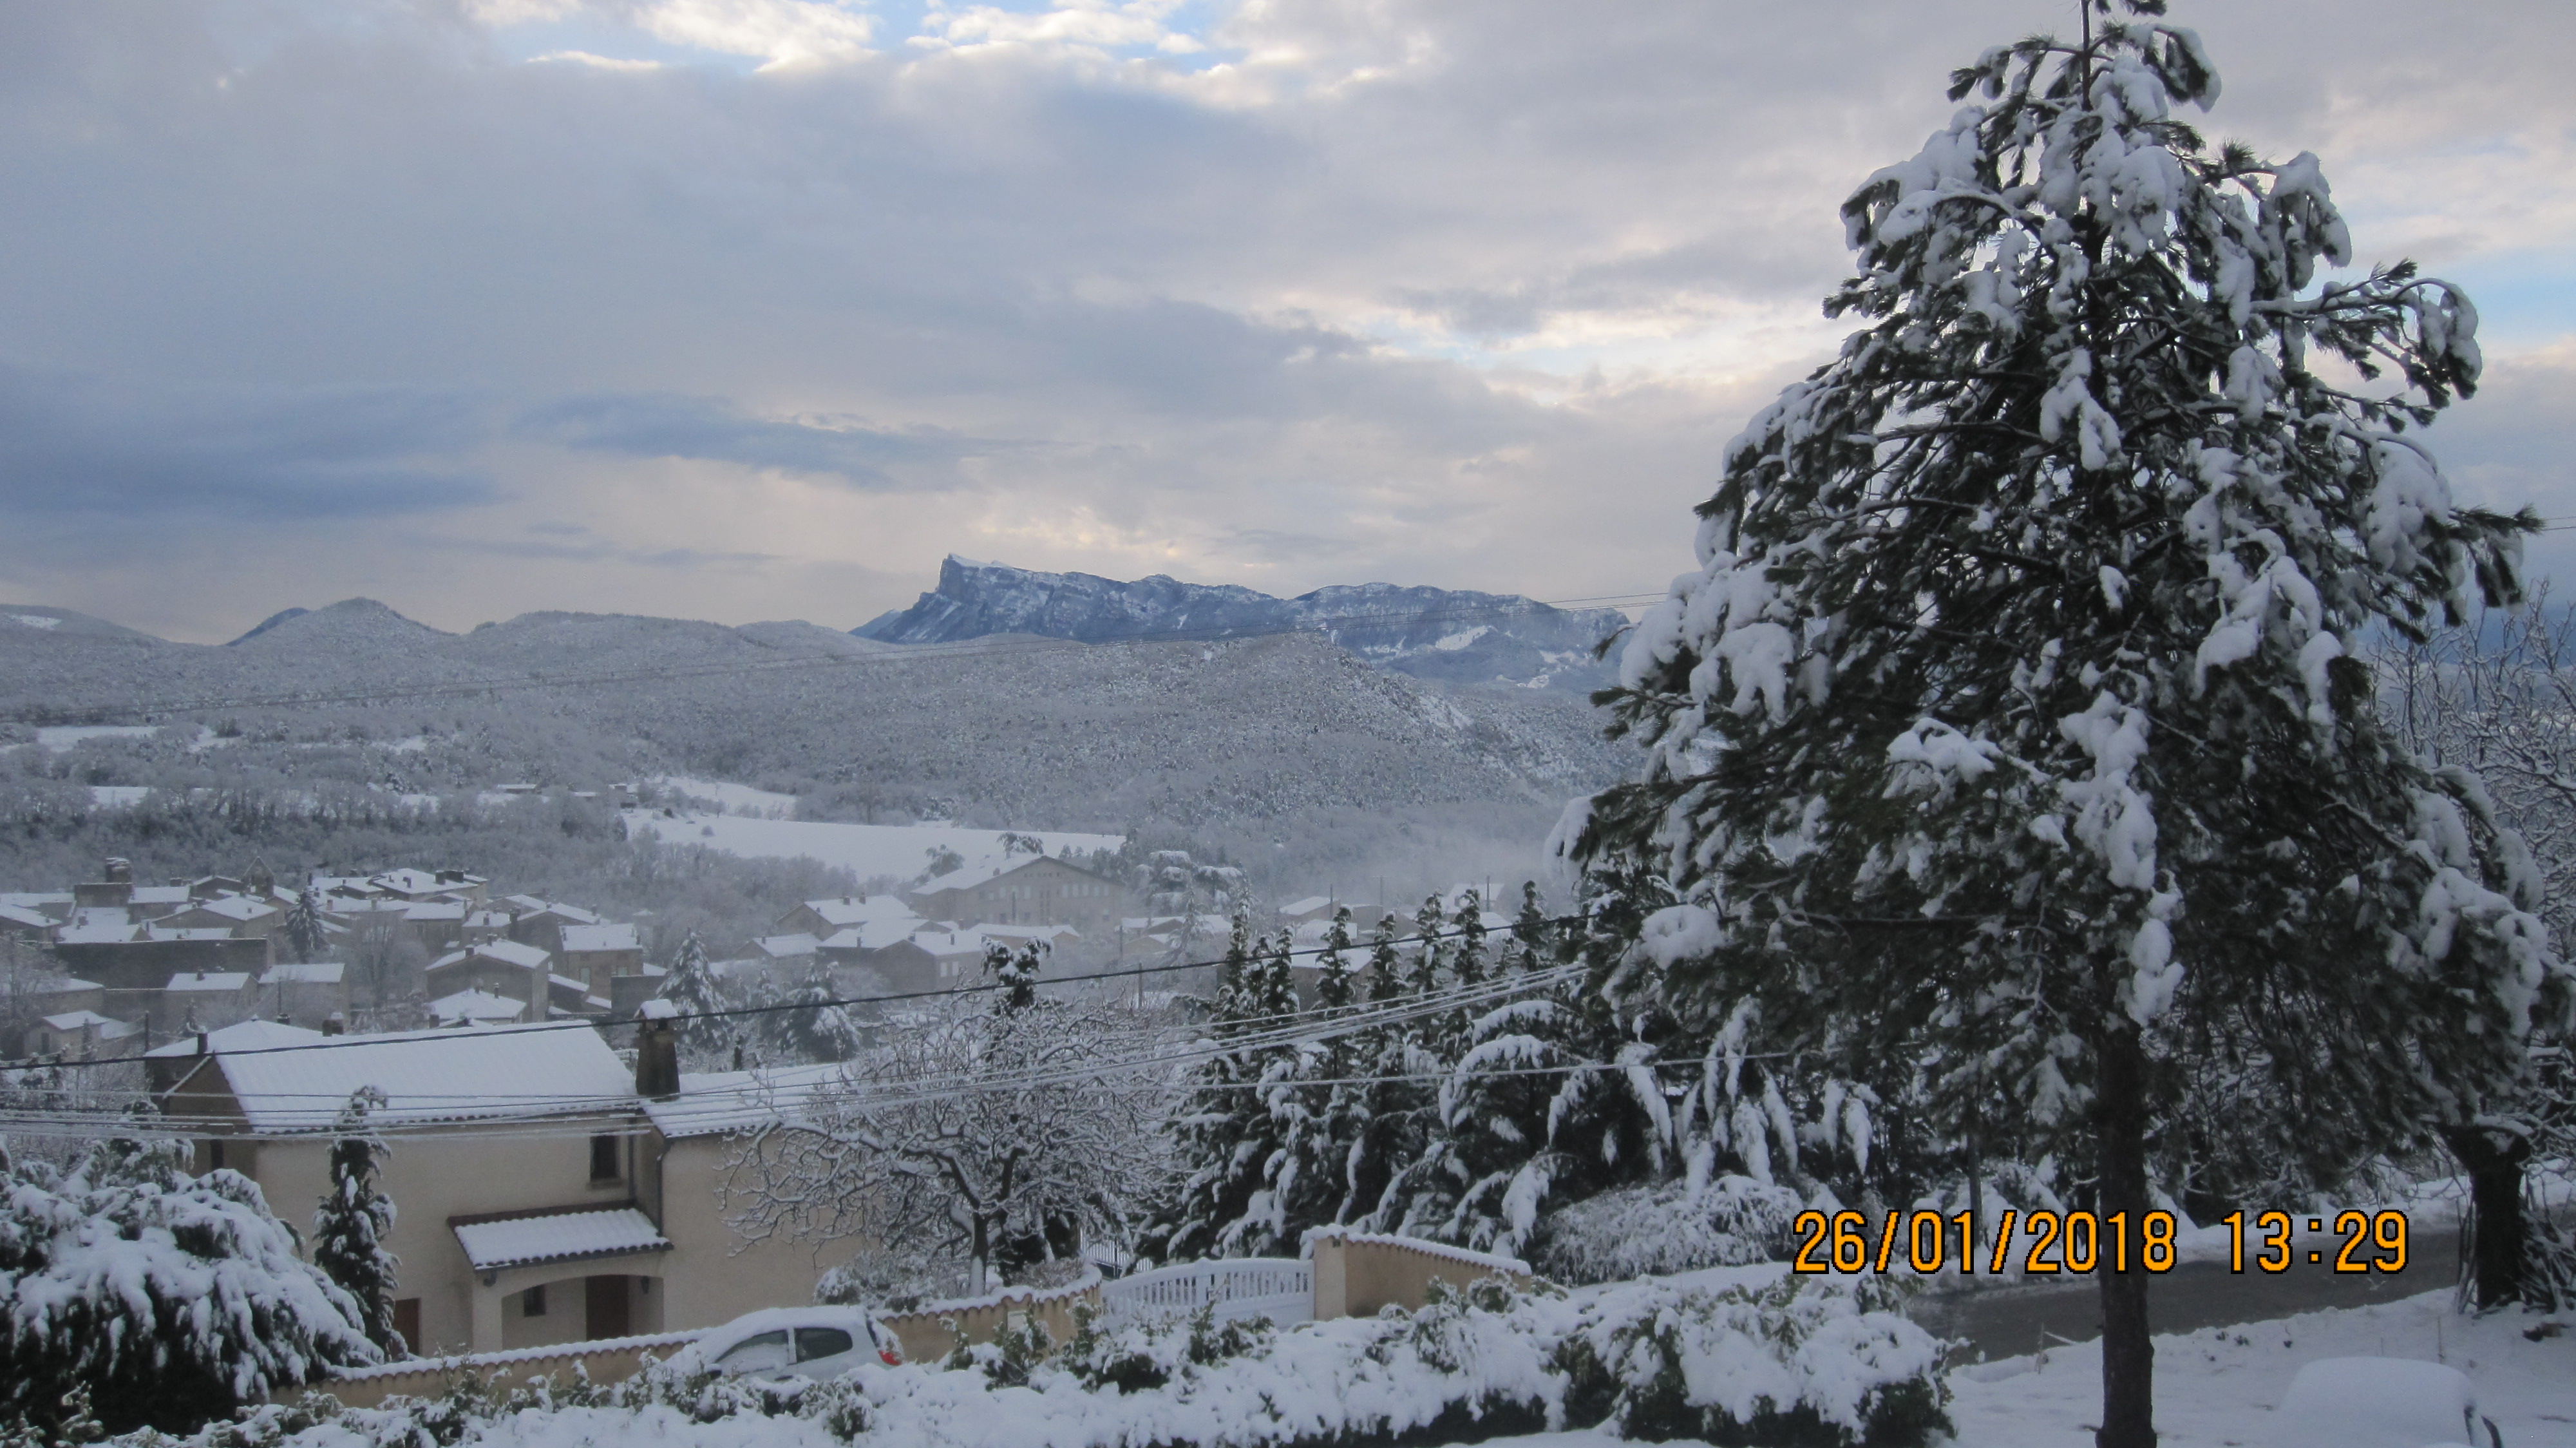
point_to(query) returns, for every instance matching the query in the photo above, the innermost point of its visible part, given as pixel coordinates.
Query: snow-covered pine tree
(1467, 960)
(707, 1038)
(171, 1299)
(353, 1220)
(1330, 1102)
(1390, 1121)
(305, 937)
(1225, 1134)
(807, 1024)
(2011, 709)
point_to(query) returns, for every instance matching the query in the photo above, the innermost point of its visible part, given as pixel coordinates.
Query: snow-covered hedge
(1804, 1361)
(168, 1298)
(1666, 1228)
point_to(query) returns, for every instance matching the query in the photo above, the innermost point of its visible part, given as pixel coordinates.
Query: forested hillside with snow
(1285, 750)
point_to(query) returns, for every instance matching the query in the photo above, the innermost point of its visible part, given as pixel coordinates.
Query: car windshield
(756, 1354)
(820, 1342)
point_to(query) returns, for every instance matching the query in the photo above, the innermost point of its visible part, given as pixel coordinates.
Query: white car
(798, 1342)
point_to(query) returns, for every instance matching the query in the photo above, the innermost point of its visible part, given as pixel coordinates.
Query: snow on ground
(58, 737)
(2218, 1388)
(728, 798)
(902, 851)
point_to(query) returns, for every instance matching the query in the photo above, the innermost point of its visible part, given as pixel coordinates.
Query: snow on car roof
(450, 1074)
(558, 1236)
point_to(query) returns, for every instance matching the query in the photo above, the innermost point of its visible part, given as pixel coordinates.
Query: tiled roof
(558, 1236)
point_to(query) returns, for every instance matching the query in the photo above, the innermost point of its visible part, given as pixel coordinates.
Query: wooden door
(604, 1307)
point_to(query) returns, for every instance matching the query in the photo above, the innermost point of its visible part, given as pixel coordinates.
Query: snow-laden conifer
(2015, 709)
(171, 1299)
(708, 1037)
(305, 937)
(353, 1221)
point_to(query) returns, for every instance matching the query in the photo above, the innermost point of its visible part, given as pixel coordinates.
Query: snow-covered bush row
(1665, 1228)
(1803, 1361)
(168, 1298)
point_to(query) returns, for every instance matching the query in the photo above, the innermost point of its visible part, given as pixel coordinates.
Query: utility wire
(336, 1043)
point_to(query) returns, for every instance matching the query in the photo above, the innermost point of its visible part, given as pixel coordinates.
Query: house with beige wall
(537, 1200)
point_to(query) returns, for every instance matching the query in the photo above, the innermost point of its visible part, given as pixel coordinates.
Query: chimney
(657, 1051)
(118, 871)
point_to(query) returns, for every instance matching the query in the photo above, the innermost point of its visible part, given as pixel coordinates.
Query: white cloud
(779, 32)
(1465, 292)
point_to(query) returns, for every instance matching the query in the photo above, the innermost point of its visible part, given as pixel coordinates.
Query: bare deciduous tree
(991, 1135)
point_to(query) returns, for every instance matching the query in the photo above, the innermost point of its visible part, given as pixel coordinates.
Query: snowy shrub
(1802, 1362)
(169, 1298)
(1780, 1364)
(1665, 1228)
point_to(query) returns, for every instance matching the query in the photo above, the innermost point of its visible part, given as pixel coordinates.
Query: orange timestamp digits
(2384, 1231)
(2056, 1242)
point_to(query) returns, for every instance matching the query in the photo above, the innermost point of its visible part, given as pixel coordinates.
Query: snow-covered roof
(411, 882)
(489, 919)
(35, 899)
(560, 911)
(1053, 934)
(974, 875)
(712, 1103)
(1307, 906)
(945, 943)
(158, 895)
(787, 947)
(875, 934)
(78, 1020)
(600, 937)
(858, 909)
(235, 981)
(476, 1005)
(315, 972)
(192, 932)
(93, 925)
(559, 1237)
(448, 1074)
(507, 952)
(237, 907)
(241, 1036)
(435, 910)
(21, 915)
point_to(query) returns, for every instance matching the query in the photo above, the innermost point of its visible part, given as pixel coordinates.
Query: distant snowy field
(728, 798)
(864, 850)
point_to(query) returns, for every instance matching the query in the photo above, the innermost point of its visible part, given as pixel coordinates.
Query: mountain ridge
(1454, 636)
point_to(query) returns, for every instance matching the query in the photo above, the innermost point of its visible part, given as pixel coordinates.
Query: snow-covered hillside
(1284, 744)
(1431, 633)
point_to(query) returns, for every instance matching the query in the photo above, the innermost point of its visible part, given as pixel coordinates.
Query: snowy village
(1706, 724)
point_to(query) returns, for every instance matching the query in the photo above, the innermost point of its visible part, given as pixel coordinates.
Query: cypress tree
(2013, 708)
(351, 1224)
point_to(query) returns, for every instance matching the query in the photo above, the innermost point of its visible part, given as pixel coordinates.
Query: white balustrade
(1279, 1288)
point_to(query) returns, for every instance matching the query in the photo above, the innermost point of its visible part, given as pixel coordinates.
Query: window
(532, 1303)
(603, 1159)
(214, 1156)
(820, 1342)
(760, 1352)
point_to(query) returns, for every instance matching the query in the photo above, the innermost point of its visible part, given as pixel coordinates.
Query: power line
(583, 1024)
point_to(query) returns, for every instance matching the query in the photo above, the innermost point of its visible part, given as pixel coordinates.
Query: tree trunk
(2128, 1353)
(2493, 1159)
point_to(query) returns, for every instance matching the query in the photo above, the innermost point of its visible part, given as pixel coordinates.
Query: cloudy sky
(746, 309)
